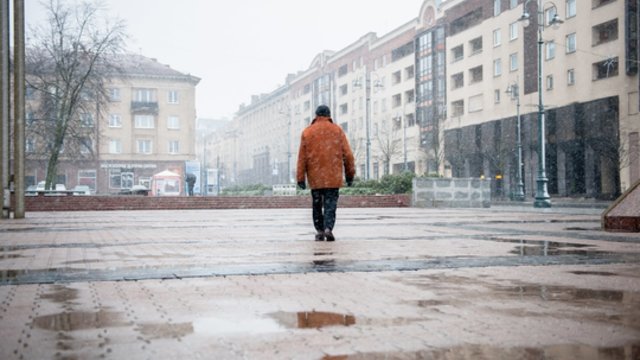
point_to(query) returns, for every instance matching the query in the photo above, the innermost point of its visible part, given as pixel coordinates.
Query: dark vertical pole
(19, 109)
(4, 102)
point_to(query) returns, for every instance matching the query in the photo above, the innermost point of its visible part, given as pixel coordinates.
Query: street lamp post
(367, 88)
(542, 199)
(514, 91)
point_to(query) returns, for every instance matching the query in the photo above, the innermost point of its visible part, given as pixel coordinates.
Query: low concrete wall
(137, 202)
(451, 193)
(624, 214)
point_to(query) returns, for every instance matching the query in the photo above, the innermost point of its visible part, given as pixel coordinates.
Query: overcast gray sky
(244, 47)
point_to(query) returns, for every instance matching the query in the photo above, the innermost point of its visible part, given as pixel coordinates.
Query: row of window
(144, 122)
(143, 146)
(145, 95)
(601, 70)
(570, 6)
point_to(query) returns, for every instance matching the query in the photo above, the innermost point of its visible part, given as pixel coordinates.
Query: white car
(82, 190)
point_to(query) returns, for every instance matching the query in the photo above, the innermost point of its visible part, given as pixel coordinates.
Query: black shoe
(319, 236)
(329, 235)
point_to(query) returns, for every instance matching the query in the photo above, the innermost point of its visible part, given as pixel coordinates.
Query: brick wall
(90, 203)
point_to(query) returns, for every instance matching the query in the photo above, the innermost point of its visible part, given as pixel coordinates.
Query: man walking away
(324, 153)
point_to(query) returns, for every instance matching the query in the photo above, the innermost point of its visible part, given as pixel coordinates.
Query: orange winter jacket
(324, 152)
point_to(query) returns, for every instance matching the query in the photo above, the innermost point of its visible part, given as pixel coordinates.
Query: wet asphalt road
(242, 284)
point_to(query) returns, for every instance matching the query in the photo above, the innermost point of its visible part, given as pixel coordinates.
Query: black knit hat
(323, 110)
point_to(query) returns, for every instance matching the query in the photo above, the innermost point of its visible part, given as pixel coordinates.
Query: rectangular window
(143, 146)
(344, 108)
(457, 80)
(409, 73)
(30, 145)
(598, 3)
(396, 77)
(343, 90)
(476, 45)
(605, 69)
(457, 53)
(571, 77)
(549, 14)
(88, 178)
(115, 121)
(115, 146)
(497, 67)
(513, 62)
(475, 74)
(550, 48)
(114, 94)
(396, 101)
(571, 43)
(114, 179)
(174, 147)
(497, 7)
(549, 82)
(86, 120)
(513, 4)
(496, 96)
(605, 32)
(457, 108)
(513, 30)
(409, 96)
(144, 122)
(173, 122)
(86, 145)
(144, 95)
(497, 37)
(172, 97)
(571, 8)
(342, 70)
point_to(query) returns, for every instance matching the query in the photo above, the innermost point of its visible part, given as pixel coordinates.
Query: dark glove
(349, 182)
(302, 185)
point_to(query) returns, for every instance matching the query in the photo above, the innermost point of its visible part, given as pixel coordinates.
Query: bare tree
(389, 144)
(68, 61)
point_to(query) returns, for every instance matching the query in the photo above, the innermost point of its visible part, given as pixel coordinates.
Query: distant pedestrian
(324, 153)
(191, 181)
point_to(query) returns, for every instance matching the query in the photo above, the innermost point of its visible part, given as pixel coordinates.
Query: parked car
(82, 190)
(135, 190)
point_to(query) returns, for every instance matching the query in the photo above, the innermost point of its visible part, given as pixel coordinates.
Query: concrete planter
(451, 193)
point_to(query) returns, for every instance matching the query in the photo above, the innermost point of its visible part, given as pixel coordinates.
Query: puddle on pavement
(79, 320)
(10, 275)
(167, 330)
(552, 248)
(313, 319)
(564, 293)
(61, 294)
(596, 273)
(484, 352)
(9, 256)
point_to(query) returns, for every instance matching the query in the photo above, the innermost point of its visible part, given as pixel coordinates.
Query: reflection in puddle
(482, 352)
(61, 294)
(243, 326)
(313, 319)
(10, 275)
(167, 330)
(597, 273)
(79, 320)
(563, 293)
(552, 248)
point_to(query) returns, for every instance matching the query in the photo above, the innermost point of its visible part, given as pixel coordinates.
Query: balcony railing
(140, 107)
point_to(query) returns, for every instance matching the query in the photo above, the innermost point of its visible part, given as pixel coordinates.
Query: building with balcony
(147, 127)
(430, 97)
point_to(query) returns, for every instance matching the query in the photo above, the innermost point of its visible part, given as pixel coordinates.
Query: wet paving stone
(252, 284)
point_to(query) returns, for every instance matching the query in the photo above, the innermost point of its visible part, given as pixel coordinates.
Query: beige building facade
(148, 127)
(431, 97)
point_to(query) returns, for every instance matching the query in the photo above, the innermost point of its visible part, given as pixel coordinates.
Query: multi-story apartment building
(431, 97)
(147, 127)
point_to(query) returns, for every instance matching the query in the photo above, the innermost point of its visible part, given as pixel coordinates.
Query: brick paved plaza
(406, 283)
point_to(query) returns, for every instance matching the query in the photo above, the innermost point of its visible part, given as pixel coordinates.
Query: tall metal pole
(515, 92)
(19, 107)
(404, 142)
(4, 103)
(367, 122)
(542, 195)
